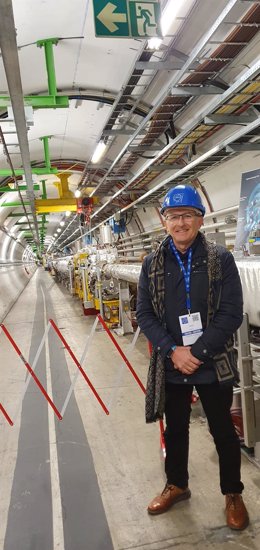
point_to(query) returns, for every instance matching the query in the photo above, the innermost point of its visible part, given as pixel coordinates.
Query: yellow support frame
(55, 205)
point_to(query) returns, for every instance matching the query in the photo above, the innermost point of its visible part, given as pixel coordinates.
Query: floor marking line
(58, 532)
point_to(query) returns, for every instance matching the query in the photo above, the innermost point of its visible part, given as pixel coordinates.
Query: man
(189, 306)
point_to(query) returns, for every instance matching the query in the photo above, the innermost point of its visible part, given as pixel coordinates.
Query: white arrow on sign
(108, 18)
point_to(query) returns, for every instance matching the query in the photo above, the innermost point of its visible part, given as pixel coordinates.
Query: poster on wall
(248, 224)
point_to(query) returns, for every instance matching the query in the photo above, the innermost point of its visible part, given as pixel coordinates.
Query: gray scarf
(225, 363)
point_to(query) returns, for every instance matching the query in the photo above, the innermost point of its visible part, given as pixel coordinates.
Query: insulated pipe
(129, 273)
(208, 215)
(126, 259)
(138, 246)
(206, 228)
(134, 248)
(157, 230)
(135, 240)
(221, 212)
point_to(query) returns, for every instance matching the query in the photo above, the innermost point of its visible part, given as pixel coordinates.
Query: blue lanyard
(186, 274)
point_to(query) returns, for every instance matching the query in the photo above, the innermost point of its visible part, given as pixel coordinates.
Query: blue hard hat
(182, 196)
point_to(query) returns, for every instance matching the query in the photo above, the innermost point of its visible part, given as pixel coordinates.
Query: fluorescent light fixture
(67, 213)
(170, 11)
(99, 151)
(168, 15)
(77, 193)
(154, 43)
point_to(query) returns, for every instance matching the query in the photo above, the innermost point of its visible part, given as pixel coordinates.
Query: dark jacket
(225, 322)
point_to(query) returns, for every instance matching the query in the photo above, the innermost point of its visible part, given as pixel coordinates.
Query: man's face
(183, 225)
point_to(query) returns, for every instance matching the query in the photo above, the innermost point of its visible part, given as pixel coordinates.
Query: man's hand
(184, 361)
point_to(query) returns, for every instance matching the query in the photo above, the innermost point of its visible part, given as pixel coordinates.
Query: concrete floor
(84, 483)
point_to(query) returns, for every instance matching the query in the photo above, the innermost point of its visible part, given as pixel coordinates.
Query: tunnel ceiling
(165, 115)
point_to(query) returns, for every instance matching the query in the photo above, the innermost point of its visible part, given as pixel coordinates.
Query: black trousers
(216, 401)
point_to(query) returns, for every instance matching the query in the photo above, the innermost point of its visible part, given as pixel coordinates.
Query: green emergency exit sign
(127, 18)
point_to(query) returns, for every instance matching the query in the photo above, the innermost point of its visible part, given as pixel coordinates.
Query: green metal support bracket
(38, 101)
(21, 223)
(44, 190)
(26, 223)
(45, 140)
(8, 189)
(19, 214)
(51, 101)
(27, 203)
(37, 171)
(49, 60)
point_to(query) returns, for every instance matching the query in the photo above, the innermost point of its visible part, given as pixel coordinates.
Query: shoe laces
(233, 501)
(168, 488)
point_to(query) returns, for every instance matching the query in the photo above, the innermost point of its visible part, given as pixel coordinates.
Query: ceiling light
(99, 151)
(59, 229)
(168, 15)
(154, 43)
(77, 193)
(62, 223)
(67, 213)
(55, 235)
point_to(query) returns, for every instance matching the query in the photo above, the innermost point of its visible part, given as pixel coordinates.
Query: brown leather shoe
(170, 495)
(236, 512)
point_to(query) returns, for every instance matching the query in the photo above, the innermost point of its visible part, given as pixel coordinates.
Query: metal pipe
(126, 259)
(216, 226)
(156, 230)
(136, 248)
(129, 273)
(217, 213)
(134, 241)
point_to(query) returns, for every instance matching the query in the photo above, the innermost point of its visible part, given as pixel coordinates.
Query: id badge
(191, 328)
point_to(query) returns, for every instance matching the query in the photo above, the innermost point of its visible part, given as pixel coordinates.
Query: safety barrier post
(79, 366)
(35, 361)
(162, 442)
(121, 370)
(121, 353)
(6, 415)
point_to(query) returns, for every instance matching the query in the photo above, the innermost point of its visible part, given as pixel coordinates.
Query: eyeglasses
(187, 217)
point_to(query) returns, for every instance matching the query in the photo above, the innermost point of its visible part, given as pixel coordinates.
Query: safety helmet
(182, 196)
